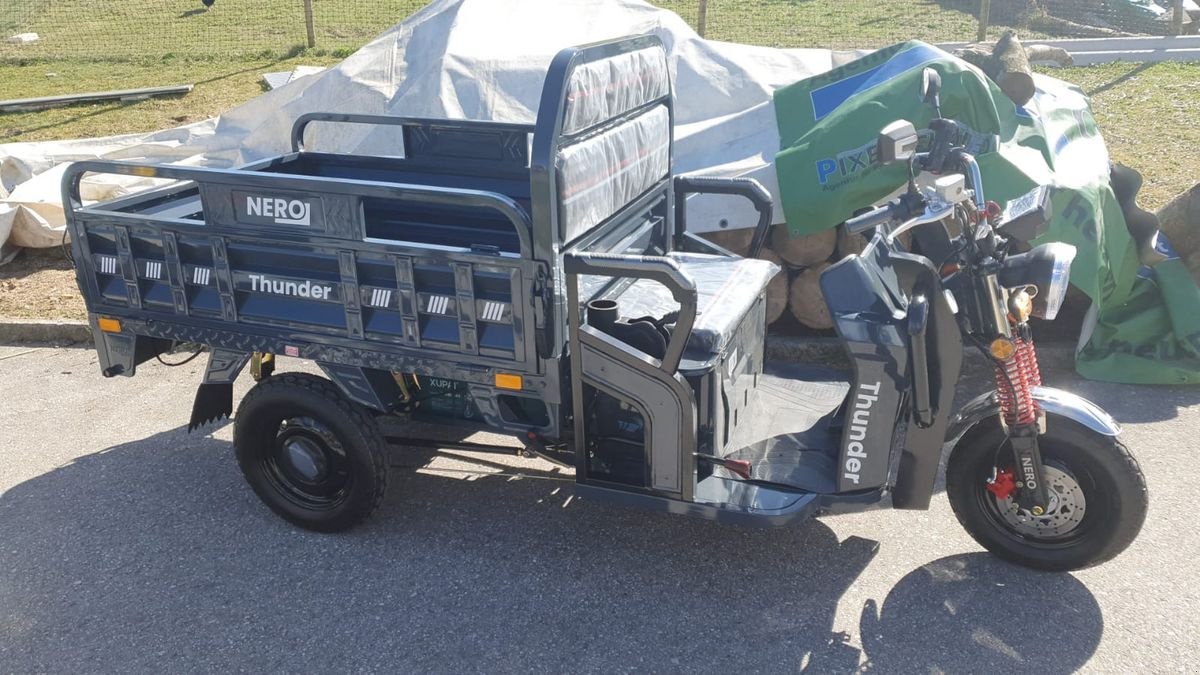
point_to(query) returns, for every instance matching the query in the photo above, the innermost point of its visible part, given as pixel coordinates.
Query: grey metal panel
(746, 505)
(350, 295)
(375, 389)
(408, 301)
(666, 401)
(128, 267)
(336, 349)
(224, 365)
(464, 291)
(224, 280)
(175, 273)
(216, 186)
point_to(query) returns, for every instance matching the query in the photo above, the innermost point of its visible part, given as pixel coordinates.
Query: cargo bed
(377, 254)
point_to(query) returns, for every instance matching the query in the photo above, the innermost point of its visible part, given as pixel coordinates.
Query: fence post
(1177, 18)
(702, 17)
(308, 24)
(985, 18)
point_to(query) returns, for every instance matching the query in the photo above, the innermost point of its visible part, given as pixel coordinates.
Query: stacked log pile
(796, 290)
(1180, 221)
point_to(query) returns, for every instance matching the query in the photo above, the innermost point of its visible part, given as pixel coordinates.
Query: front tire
(313, 456)
(1097, 492)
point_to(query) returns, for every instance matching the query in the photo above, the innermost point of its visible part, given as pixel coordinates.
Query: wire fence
(118, 29)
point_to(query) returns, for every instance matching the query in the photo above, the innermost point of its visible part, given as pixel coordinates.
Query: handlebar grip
(870, 220)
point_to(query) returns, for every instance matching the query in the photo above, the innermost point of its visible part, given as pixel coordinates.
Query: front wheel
(1096, 490)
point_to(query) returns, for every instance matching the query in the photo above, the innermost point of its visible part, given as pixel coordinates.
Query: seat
(727, 289)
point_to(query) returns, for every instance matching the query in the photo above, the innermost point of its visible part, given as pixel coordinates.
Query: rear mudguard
(1052, 401)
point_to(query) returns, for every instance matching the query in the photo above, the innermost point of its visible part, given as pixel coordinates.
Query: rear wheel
(1096, 492)
(314, 457)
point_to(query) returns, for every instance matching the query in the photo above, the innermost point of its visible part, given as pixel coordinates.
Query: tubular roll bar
(655, 268)
(300, 126)
(242, 179)
(719, 185)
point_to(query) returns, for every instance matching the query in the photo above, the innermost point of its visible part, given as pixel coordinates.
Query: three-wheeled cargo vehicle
(539, 281)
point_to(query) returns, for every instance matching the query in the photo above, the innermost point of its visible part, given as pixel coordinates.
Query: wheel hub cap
(307, 460)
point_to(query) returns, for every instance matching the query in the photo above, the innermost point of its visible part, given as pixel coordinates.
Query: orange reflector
(508, 381)
(1002, 349)
(109, 325)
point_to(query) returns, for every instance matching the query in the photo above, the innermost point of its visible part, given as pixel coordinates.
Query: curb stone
(29, 331)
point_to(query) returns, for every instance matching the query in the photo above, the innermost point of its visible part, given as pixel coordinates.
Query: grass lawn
(1147, 113)
(220, 85)
(134, 28)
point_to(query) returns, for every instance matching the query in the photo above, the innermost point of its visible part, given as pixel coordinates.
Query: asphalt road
(128, 545)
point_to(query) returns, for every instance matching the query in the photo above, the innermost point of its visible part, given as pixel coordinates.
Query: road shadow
(975, 613)
(154, 553)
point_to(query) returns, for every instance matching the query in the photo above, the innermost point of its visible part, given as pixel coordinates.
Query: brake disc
(1064, 512)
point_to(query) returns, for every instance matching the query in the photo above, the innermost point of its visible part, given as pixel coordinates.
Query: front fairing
(868, 297)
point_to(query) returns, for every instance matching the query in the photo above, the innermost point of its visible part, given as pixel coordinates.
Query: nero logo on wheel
(261, 209)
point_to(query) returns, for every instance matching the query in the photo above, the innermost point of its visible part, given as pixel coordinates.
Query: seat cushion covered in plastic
(727, 289)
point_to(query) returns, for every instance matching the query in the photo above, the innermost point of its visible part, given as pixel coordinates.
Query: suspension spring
(1015, 380)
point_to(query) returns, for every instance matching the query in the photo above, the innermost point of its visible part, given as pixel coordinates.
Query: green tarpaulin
(1145, 322)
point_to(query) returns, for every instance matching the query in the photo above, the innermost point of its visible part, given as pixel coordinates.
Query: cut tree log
(777, 290)
(848, 243)
(1049, 54)
(1007, 63)
(806, 300)
(1013, 73)
(1180, 221)
(803, 251)
(734, 241)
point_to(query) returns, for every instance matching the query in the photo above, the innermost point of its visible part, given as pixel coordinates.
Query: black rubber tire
(356, 431)
(1112, 483)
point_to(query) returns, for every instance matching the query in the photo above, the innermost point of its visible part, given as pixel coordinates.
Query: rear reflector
(508, 381)
(108, 325)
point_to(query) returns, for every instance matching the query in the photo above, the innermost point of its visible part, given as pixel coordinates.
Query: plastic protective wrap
(727, 289)
(611, 87)
(598, 176)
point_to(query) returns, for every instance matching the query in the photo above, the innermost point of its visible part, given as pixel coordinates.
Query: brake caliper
(1003, 485)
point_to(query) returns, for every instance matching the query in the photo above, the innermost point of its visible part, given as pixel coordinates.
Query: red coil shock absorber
(1029, 361)
(1015, 380)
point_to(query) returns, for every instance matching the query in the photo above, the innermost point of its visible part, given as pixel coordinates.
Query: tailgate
(221, 262)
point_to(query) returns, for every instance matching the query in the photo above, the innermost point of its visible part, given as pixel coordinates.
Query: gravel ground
(128, 545)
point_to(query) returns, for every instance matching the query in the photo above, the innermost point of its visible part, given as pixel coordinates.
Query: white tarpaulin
(475, 59)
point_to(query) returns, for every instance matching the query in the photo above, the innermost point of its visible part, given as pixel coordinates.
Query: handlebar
(871, 219)
(905, 207)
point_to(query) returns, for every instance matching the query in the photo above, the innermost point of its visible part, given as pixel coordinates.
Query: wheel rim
(1067, 519)
(307, 465)
(1065, 509)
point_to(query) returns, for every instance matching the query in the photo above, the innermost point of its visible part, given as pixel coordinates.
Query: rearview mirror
(931, 85)
(897, 142)
(931, 89)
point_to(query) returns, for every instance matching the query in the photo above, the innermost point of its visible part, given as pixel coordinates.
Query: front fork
(1022, 419)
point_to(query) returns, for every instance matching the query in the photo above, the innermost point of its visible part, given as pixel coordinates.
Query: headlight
(1048, 269)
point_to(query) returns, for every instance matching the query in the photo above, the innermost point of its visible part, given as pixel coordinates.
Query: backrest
(602, 143)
